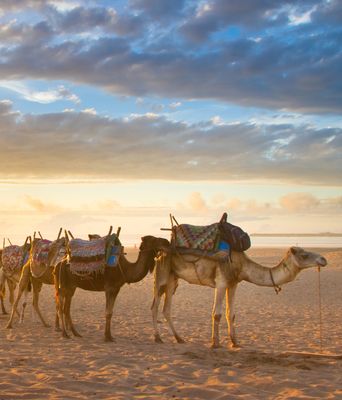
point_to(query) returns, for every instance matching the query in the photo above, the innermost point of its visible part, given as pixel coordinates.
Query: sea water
(301, 241)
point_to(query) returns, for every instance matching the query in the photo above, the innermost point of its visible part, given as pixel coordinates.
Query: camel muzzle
(322, 262)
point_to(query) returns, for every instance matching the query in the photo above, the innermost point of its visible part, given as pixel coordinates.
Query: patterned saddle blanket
(92, 256)
(13, 258)
(40, 252)
(196, 237)
(41, 256)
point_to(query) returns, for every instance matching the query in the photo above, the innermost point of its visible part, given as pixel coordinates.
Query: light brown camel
(224, 277)
(39, 272)
(10, 275)
(109, 282)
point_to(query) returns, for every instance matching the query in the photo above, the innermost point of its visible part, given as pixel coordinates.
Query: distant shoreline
(324, 234)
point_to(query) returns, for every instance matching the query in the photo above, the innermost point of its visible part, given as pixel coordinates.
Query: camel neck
(260, 275)
(136, 271)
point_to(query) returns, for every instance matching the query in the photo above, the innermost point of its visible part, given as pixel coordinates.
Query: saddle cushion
(13, 258)
(195, 237)
(87, 256)
(40, 252)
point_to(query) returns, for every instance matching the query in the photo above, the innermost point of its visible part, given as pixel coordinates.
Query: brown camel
(39, 272)
(10, 271)
(224, 277)
(109, 282)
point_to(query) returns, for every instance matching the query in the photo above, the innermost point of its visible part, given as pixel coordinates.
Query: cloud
(159, 9)
(197, 202)
(42, 97)
(298, 202)
(291, 67)
(41, 206)
(88, 146)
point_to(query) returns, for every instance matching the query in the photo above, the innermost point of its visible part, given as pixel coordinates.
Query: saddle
(40, 252)
(13, 258)
(93, 256)
(41, 257)
(195, 237)
(217, 237)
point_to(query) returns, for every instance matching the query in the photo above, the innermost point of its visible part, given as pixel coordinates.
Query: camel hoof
(216, 346)
(65, 335)
(47, 326)
(9, 326)
(109, 339)
(236, 346)
(77, 334)
(157, 339)
(180, 340)
(4, 312)
(58, 329)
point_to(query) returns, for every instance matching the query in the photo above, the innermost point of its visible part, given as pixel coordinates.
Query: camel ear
(294, 250)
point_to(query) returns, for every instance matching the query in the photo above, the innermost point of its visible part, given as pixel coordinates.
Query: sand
(280, 358)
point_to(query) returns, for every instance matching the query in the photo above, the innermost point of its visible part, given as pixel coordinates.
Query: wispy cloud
(89, 146)
(42, 97)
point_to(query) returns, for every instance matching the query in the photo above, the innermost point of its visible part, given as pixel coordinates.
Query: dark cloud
(250, 15)
(81, 19)
(287, 67)
(87, 146)
(159, 9)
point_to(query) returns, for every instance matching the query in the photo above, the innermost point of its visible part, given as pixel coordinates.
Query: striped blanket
(195, 237)
(13, 258)
(87, 256)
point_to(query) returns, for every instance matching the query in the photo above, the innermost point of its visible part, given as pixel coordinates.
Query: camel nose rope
(320, 308)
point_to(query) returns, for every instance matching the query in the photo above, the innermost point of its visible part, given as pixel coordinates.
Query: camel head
(303, 259)
(154, 244)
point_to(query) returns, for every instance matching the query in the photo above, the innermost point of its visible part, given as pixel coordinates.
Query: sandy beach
(280, 357)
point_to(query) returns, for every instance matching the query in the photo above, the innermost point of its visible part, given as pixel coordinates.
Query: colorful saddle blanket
(195, 237)
(87, 256)
(13, 258)
(40, 252)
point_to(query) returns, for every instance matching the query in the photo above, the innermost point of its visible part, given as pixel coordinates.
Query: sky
(122, 112)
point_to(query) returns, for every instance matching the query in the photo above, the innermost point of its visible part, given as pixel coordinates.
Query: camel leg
(2, 292)
(21, 316)
(37, 286)
(155, 306)
(67, 307)
(216, 316)
(3, 309)
(61, 311)
(11, 288)
(24, 280)
(230, 314)
(57, 326)
(170, 290)
(110, 300)
(60, 297)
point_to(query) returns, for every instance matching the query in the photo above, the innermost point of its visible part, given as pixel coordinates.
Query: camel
(11, 276)
(39, 273)
(224, 277)
(109, 282)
